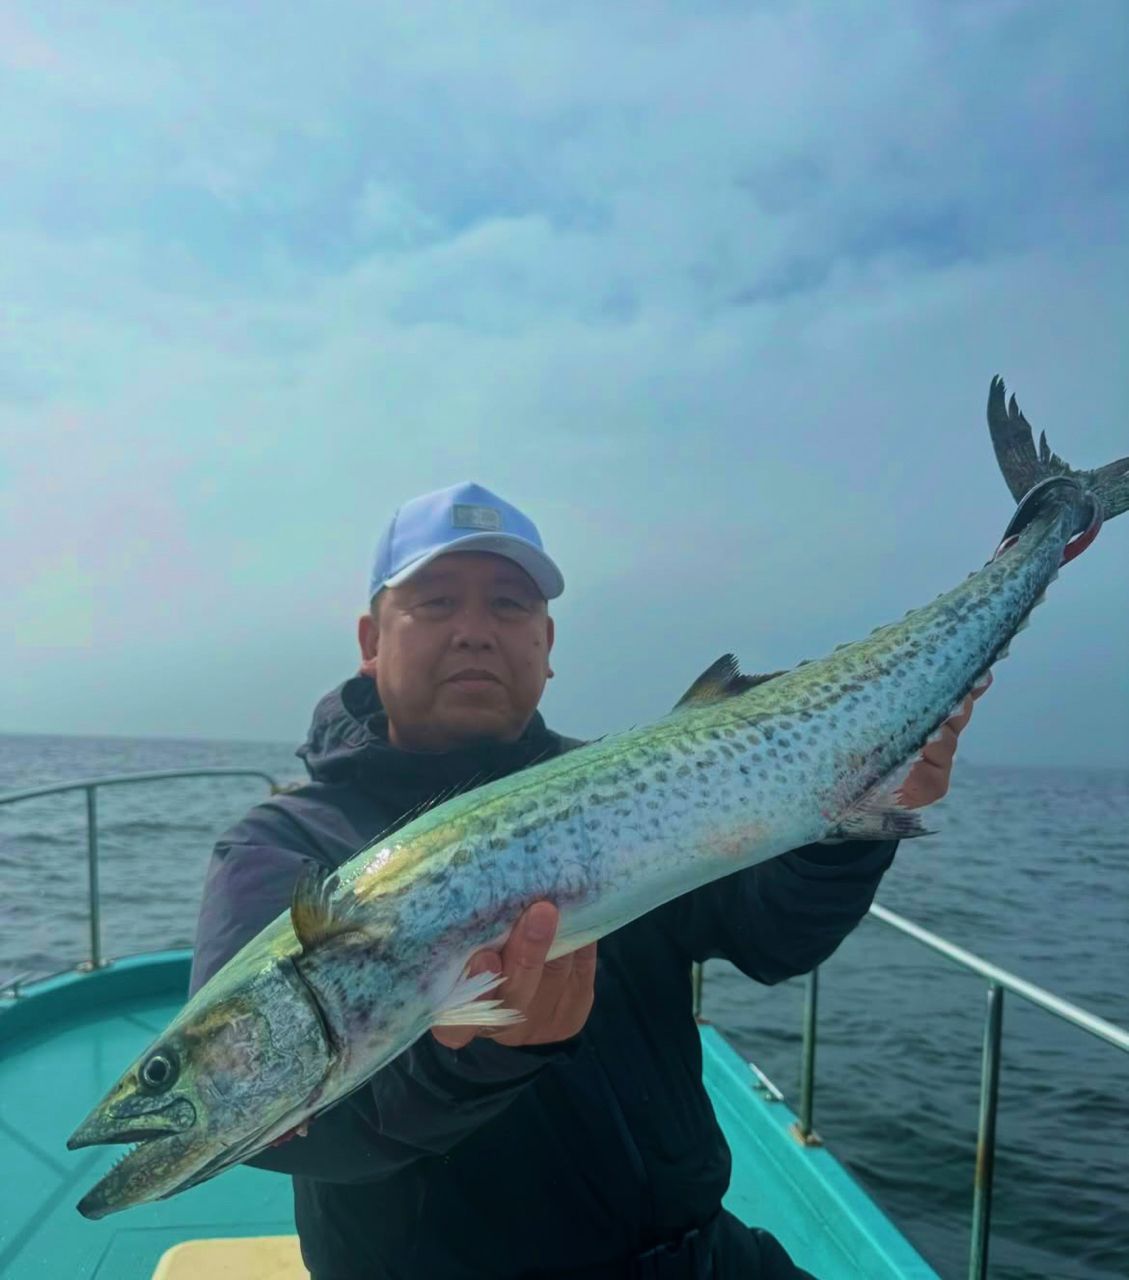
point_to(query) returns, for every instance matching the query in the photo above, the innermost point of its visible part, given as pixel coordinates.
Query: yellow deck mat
(239, 1258)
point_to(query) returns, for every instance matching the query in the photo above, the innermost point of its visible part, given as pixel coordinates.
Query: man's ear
(550, 636)
(368, 636)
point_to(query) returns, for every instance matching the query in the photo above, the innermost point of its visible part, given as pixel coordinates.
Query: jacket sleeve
(785, 916)
(421, 1104)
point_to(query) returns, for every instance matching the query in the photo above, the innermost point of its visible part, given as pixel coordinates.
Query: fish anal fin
(880, 824)
(722, 679)
(879, 815)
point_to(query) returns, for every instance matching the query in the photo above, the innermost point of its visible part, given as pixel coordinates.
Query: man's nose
(474, 627)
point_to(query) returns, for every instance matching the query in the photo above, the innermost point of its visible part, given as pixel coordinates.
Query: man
(580, 1142)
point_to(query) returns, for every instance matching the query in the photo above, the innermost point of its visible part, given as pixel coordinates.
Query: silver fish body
(742, 770)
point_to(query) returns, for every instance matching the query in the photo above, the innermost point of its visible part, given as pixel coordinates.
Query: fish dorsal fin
(311, 909)
(721, 680)
(431, 802)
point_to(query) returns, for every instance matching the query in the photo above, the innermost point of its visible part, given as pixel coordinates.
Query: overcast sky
(714, 292)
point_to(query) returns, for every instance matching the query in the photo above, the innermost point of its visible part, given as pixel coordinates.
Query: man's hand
(928, 780)
(555, 996)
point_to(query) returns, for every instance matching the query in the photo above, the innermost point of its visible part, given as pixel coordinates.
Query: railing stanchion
(95, 903)
(89, 785)
(986, 1135)
(805, 1132)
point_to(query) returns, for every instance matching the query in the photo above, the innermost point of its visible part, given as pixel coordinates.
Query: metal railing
(90, 786)
(999, 981)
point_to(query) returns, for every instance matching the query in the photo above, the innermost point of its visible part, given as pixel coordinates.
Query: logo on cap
(464, 516)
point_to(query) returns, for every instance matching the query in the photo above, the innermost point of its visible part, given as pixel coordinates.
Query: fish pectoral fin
(312, 914)
(465, 1007)
(721, 680)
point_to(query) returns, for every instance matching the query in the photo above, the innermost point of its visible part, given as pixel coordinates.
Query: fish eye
(159, 1070)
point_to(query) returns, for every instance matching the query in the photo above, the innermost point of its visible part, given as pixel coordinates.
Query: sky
(714, 292)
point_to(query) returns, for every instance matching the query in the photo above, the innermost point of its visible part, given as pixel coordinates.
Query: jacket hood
(348, 743)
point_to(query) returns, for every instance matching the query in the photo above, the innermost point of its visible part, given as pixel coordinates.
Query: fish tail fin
(1111, 487)
(1024, 467)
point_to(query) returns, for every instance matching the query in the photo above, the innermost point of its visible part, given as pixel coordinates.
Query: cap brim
(533, 560)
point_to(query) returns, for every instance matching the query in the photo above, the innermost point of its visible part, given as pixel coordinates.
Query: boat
(63, 1038)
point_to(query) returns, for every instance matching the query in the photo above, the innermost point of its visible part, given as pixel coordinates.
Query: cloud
(714, 292)
(54, 611)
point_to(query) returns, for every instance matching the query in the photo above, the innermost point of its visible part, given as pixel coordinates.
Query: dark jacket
(502, 1162)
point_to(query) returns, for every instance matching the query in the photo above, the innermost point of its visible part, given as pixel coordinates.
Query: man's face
(459, 652)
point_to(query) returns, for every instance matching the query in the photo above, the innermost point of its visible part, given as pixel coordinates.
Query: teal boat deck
(65, 1040)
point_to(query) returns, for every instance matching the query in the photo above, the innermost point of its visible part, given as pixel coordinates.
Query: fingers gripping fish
(743, 769)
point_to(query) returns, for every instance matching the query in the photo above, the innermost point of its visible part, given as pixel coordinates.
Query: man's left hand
(928, 780)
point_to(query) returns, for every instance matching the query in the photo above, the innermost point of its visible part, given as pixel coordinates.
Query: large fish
(372, 956)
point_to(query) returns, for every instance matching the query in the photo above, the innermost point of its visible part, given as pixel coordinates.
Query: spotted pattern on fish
(743, 769)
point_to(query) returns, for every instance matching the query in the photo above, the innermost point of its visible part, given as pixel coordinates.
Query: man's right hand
(555, 995)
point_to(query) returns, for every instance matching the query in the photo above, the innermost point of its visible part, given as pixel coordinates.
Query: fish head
(241, 1065)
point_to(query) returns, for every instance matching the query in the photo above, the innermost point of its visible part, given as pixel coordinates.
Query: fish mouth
(170, 1155)
(176, 1115)
(165, 1137)
(137, 1176)
(164, 1164)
